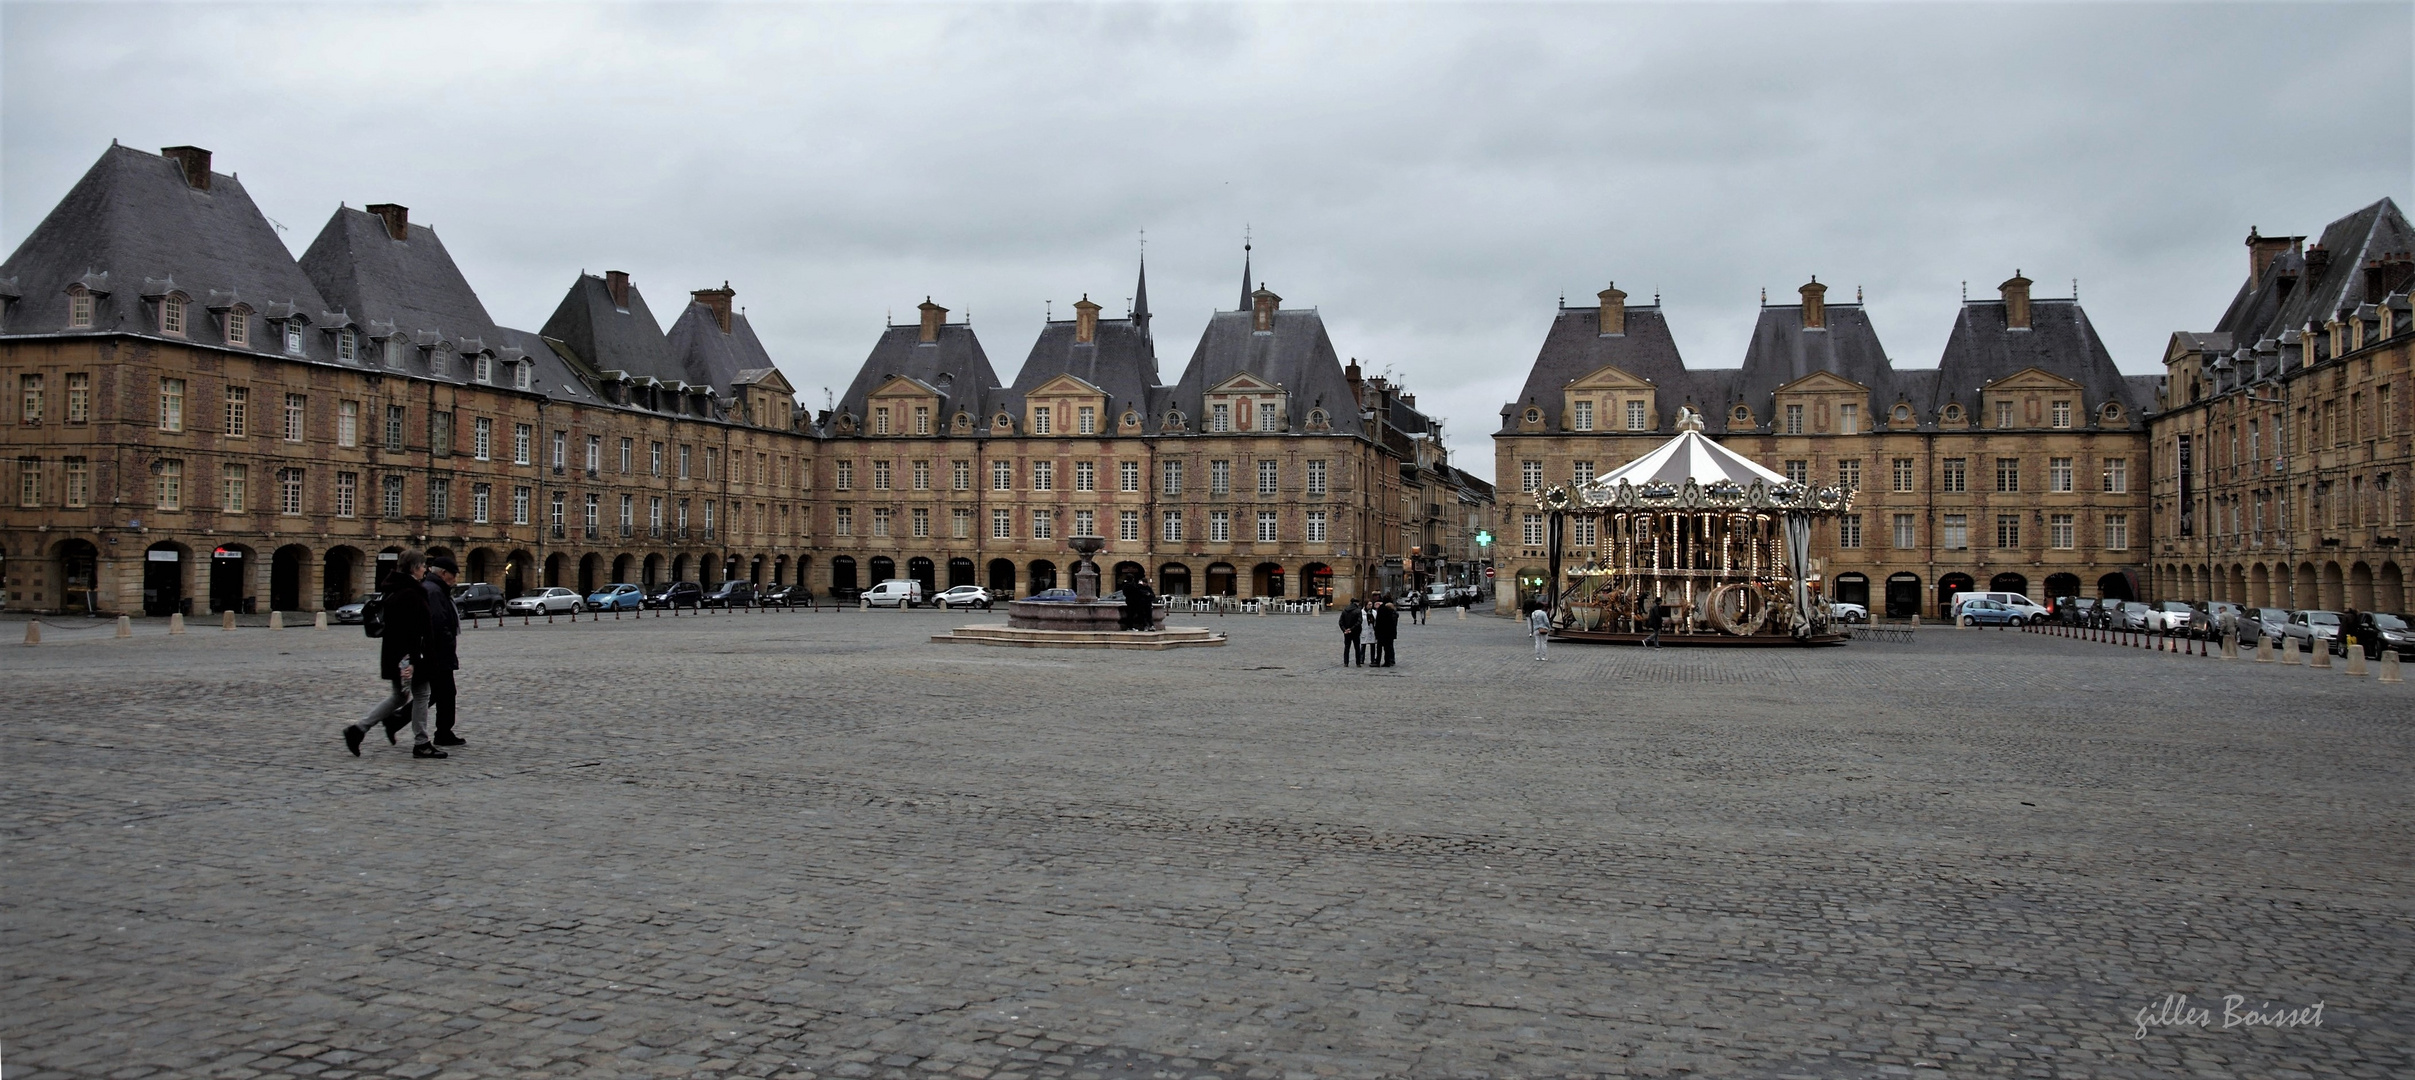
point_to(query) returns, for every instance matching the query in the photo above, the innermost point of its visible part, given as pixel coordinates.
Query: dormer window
(172, 314)
(1266, 416)
(1173, 418)
(1317, 418)
(2113, 413)
(486, 369)
(1743, 415)
(1534, 416)
(1131, 419)
(293, 337)
(1002, 424)
(1903, 414)
(394, 353)
(1040, 423)
(440, 362)
(347, 347)
(239, 326)
(1953, 414)
(523, 375)
(880, 419)
(79, 307)
(1220, 417)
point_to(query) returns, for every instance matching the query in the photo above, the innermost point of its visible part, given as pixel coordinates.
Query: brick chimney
(1262, 307)
(1815, 305)
(2016, 301)
(933, 316)
(1085, 321)
(2262, 250)
(2318, 259)
(616, 282)
(196, 162)
(717, 301)
(1614, 310)
(396, 217)
(1350, 373)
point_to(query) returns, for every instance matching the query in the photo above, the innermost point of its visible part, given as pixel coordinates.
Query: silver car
(2308, 627)
(553, 601)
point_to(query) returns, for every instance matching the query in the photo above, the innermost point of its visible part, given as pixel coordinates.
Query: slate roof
(1575, 347)
(1784, 350)
(2287, 297)
(2060, 340)
(609, 338)
(1120, 359)
(132, 225)
(954, 365)
(708, 356)
(411, 284)
(1296, 354)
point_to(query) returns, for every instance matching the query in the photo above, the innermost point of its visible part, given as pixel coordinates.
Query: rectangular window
(1848, 419)
(922, 521)
(1220, 526)
(880, 420)
(1583, 420)
(1266, 526)
(1316, 477)
(1635, 415)
(1531, 530)
(482, 438)
(922, 419)
(440, 433)
(289, 492)
(1905, 536)
(845, 470)
(1530, 476)
(1849, 531)
(2008, 474)
(485, 369)
(1085, 420)
(79, 398)
(1849, 474)
(520, 498)
(2004, 414)
(1173, 478)
(1043, 524)
(2008, 530)
(686, 455)
(295, 406)
(29, 389)
(1085, 476)
(1270, 474)
(922, 476)
(654, 515)
(78, 475)
(1798, 470)
(2058, 474)
(1584, 535)
(1794, 419)
(233, 479)
(592, 516)
(482, 503)
(1220, 478)
(395, 416)
(1220, 417)
(524, 374)
(2060, 533)
(558, 511)
(392, 497)
(960, 523)
(1957, 532)
(628, 455)
(1173, 527)
(880, 476)
(1127, 524)
(960, 475)
(393, 352)
(1581, 472)
(347, 494)
(1954, 476)
(2117, 475)
(171, 404)
(293, 337)
(440, 499)
(1001, 524)
(1001, 476)
(29, 481)
(1085, 523)
(79, 308)
(843, 518)
(522, 435)
(2062, 414)
(1043, 476)
(1316, 526)
(238, 416)
(595, 456)
(710, 507)
(628, 514)
(1127, 476)
(1040, 422)
(1903, 474)
(1266, 416)
(171, 485)
(2117, 532)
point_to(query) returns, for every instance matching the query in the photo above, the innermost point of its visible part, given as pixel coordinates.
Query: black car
(478, 598)
(785, 596)
(677, 594)
(734, 593)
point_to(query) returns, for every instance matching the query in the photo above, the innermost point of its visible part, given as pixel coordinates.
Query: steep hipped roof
(133, 225)
(2301, 288)
(1120, 359)
(2060, 340)
(411, 284)
(710, 356)
(954, 365)
(1296, 355)
(1575, 347)
(607, 337)
(1784, 350)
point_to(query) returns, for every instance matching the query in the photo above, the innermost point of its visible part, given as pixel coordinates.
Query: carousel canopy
(1689, 456)
(1691, 472)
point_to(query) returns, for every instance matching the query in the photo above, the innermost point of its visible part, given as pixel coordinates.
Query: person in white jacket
(1538, 623)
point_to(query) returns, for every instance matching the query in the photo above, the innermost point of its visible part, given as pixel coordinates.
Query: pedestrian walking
(1353, 621)
(1538, 624)
(1652, 624)
(1387, 628)
(403, 612)
(1417, 608)
(443, 648)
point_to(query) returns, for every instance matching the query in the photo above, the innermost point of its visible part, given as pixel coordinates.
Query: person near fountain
(1140, 605)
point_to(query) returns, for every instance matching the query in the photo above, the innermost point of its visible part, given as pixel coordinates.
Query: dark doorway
(884, 568)
(337, 571)
(591, 567)
(1948, 587)
(2008, 583)
(1266, 579)
(163, 580)
(1853, 589)
(2116, 586)
(285, 578)
(1316, 580)
(227, 566)
(1043, 575)
(1128, 572)
(653, 574)
(515, 573)
(679, 568)
(920, 569)
(1174, 579)
(557, 570)
(1002, 577)
(843, 585)
(79, 577)
(1220, 580)
(2060, 585)
(960, 572)
(1903, 596)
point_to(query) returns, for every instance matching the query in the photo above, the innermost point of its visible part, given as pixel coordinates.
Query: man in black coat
(1140, 605)
(401, 660)
(1353, 620)
(443, 651)
(1387, 627)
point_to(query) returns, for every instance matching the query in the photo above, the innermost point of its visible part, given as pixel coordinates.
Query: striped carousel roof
(1689, 456)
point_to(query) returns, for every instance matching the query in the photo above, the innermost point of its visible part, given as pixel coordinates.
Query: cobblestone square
(815, 844)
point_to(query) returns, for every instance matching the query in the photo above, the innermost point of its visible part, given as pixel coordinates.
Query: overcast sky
(1432, 177)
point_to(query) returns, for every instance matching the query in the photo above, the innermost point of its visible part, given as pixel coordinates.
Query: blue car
(1991, 613)
(617, 598)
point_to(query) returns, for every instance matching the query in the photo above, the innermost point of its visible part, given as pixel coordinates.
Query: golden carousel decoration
(1717, 545)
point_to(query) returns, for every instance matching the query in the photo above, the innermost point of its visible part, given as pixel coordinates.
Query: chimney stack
(1085, 321)
(718, 302)
(2262, 250)
(2318, 259)
(196, 162)
(1350, 373)
(1815, 305)
(397, 218)
(933, 317)
(1614, 310)
(616, 282)
(2016, 301)
(1262, 307)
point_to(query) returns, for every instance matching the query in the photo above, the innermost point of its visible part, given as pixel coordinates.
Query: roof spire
(1244, 267)
(1140, 291)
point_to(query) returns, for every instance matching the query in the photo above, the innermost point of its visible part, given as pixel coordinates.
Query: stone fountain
(1085, 622)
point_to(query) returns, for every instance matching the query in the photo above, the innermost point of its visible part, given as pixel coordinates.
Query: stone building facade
(2019, 463)
(2282, 460)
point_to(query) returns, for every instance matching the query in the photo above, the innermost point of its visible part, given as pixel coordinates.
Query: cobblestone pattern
(816, 845)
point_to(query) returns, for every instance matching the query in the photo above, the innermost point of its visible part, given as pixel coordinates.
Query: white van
(2029, 609)
(895, 592)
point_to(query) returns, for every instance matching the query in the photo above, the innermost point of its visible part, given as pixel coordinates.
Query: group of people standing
(418, 652)
(1372, 618)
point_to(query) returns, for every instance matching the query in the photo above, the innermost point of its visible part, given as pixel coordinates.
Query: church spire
(1246, 287)
(1140, 298)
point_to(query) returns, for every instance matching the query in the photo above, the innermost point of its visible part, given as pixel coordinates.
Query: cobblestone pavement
(817, 845)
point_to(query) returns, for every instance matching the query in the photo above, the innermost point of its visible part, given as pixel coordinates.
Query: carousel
(1718, 546)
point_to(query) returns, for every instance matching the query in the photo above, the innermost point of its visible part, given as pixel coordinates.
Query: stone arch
(288, 570)
(75, 579)
(166, 578)
(1002, 577)
(2060, 585)
(2360, 586)
(921, 568)
(518, 567)
(844, 584)
(653, 572)
(231, 572)
(2390, 589)
(1221, 581)
(1174, 579)
(960, 572)
(1316, 581)
(1043, 575)
(2116, 586)
(557, 570)
(340, 575)
(2259, 586)
(624, 569)
(2009, 582)
(2335, 587)
(1125, 572)
(486, 564)
(679, 568)
(591, 570)
(1948, 587)
(2305, 594)
(883, 568)
(1266, 579)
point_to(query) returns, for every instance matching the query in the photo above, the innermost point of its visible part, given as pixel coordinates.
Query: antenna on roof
(1966, 292)
(1857, 294)
(1048, 309)
(2075, 290)
(1655, 296)
(1764, 296)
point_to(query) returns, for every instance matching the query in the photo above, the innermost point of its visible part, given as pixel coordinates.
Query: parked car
(734, 593)
(677, 594)
(552, 601)
(2030, 610)
(477, 598)
(2270, 622)
(2308, 627)
(617, 597)
(1984, 612)
(2130, 615)
(1053, 596)
(785, 596)
(896, 593)
(973, 596)
(2171, 617)
(2215, 611)
(1844, 612)
(2396, 635)
(353, 612)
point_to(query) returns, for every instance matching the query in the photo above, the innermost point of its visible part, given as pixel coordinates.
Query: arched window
(79, 307)
(1173, 418)
(293, 336)
(172, 315)
(239, 326)
(486, 368)
(1316, 417)
(523, 374)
